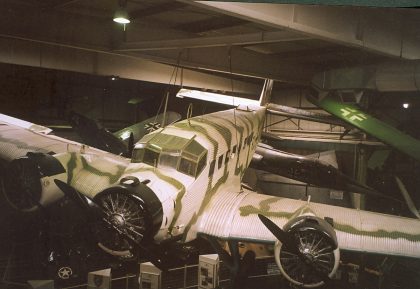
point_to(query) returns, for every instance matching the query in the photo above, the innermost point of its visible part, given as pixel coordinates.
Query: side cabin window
(212, 166)
(234, 149)
(227, 157)
(220, 162)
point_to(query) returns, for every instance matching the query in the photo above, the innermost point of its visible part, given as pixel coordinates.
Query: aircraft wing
(234, 216)
(17, 140)
(28, 156)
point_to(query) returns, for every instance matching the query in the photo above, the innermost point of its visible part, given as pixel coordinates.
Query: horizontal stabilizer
(216, 98)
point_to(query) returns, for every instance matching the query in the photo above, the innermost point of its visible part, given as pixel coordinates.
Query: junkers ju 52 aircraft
(184, 181)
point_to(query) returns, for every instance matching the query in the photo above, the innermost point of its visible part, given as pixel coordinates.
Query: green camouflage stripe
(211, 190)
(252, 124)
(264, 209)
(225, 133)
(71, 166)
(238, 168)
(381, 233)
(175, 183)
(196, 127)
(20, 144)
(113, 178)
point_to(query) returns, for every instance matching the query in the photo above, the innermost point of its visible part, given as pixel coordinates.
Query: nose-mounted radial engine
(28, 181)
(133, 214)
(306, 250)
(124, 217)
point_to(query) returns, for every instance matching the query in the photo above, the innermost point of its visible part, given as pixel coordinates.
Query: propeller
(73, 194)
(285, 238)
(292, 245)
(95, 212)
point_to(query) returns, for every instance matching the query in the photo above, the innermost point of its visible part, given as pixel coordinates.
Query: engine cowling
(319, 256)
(27, 181)
(133, 212)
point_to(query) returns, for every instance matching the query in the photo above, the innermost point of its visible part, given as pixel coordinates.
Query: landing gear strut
(239, 267)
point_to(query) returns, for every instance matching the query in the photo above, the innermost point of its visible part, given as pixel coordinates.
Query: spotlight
(406, 105)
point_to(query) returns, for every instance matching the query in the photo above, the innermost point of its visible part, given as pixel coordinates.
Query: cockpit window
(187, 166)
(192, 159)
(169, 159)
(150, 157)
(170, 151)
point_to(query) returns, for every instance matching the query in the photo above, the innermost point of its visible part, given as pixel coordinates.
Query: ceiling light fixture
(406, 105)
(121, 16)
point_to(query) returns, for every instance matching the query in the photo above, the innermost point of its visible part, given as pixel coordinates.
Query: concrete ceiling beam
(215, 41)
(403, 76)
(236, 60)
(30, 52)
(390, 32)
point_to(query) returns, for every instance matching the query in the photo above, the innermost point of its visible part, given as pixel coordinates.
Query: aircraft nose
(132, 208)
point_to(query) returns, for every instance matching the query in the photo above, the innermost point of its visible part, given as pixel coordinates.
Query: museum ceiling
(289, 43)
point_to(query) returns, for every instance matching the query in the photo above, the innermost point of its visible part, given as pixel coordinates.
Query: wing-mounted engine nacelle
(28, 181)
(133, 211)
(318, 257)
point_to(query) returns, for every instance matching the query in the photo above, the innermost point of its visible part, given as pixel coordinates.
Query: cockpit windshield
(169, 151)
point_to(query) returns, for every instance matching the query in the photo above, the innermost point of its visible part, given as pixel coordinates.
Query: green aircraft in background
(332, 102)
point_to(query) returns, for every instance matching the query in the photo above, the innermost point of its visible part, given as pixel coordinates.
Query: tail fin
(266, 92)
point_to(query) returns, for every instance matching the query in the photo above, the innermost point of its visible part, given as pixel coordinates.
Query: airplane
(184, 181)
(121, 142)
(301, 168)
(297, 167)
(333, 102)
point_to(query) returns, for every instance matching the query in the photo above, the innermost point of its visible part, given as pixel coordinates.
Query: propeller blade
(73, 194)
(130, 145)
(281, 235)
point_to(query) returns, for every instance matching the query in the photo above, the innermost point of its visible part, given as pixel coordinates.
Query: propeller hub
(308, 255)
(118, 220)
